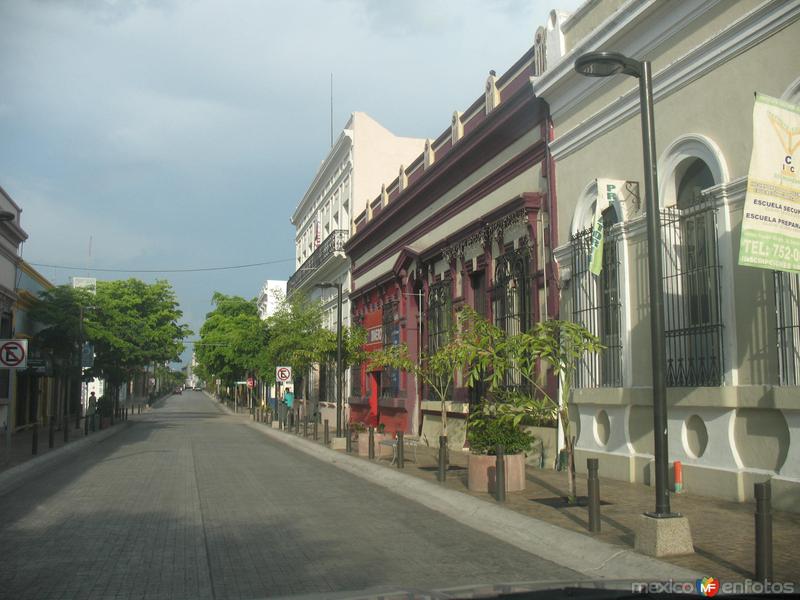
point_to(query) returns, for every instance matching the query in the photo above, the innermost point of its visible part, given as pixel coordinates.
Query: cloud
(60, 229)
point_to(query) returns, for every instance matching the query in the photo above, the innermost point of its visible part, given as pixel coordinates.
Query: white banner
(771, 218)
(608, 194)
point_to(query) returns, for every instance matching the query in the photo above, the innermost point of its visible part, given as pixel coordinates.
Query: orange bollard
(678, 476)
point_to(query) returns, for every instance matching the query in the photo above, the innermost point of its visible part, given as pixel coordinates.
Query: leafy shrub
(486, 431)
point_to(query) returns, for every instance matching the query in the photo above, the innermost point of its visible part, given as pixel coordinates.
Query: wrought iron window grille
(787, 309)
(692, 303)
(511, 296)
(596, 304)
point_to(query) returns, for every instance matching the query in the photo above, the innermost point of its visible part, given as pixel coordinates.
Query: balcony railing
(330, 245)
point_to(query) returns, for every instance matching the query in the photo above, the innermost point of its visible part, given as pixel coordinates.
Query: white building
(364, 156)
(11, 237)
(269, 298)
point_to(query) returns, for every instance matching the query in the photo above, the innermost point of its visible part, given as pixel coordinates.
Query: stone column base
(669, 536)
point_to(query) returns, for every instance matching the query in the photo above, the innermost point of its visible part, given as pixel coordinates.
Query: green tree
(296, 337)
(233, 341)
(133, 324)
(436, 370)
(555, 345)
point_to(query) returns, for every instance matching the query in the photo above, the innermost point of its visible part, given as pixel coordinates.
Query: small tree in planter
(486, 431)
(557, 344)
(436, 370)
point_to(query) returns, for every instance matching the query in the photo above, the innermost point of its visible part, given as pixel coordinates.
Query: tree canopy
(130, 323)
(233, 341)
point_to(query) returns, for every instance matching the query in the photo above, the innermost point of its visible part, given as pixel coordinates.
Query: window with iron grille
(355, 381)
(478, 285)
(692, 284)
(512, 298)
(390, 379)
(787, 309)
(439, 319)
(596, 305)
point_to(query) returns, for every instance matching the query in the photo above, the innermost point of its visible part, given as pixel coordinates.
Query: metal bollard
(441, 474)
(316, 430)
(78, 418)
(305, 427)
(35, 438)
(348, 445)
(326, 433)
(371, 445)
(593, 493)
(51, 438)
(401, 459)
(66, 429)
(500, 473)
(763, 494)
(85, 425)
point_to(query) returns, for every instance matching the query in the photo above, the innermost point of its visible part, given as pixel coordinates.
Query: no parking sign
(283, 374)
(13, 354)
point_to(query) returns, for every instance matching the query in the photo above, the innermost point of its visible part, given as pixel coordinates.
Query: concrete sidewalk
(723, 532)
(19, 457)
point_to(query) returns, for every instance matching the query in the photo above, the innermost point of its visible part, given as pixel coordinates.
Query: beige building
(363, 156)
(733, 358)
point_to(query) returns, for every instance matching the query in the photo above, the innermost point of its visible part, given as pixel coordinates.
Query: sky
(174, 134)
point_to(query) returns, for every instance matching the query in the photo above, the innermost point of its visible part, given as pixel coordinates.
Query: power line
(191, 270)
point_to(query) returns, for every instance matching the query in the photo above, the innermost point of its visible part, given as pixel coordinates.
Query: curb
(19, 474)
(576, 551)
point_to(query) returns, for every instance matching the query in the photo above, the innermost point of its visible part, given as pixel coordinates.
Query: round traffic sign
(283, 374)
(12, 354)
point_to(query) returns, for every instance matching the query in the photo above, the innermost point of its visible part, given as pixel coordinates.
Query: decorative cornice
(510, 121)
(741, 35)
(345, 140)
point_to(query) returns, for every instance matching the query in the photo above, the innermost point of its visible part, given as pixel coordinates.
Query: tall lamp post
(606, 64)
(338, 287)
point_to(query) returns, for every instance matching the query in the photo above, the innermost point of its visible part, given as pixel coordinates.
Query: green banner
(771, 218)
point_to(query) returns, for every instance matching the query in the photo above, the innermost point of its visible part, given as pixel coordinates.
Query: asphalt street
(189, 502)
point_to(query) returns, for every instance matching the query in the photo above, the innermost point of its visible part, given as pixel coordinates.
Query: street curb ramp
(582, 553)
(16, 476)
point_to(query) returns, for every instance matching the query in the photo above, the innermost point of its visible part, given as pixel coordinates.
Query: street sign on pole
(13, 354)
(283, 374)
(251, 383)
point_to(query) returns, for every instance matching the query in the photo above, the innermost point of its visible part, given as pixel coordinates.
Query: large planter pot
(481, 473)
(363, 444)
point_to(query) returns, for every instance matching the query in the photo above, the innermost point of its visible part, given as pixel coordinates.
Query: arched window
(692, 280)
(596, 301)
(511, 297)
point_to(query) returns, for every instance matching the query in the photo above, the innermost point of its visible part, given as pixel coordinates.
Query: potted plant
(486, 431)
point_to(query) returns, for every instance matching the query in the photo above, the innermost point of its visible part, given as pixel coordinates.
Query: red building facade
(470, 221)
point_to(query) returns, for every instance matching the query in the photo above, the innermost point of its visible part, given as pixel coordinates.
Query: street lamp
(605, 64)
(338, 287)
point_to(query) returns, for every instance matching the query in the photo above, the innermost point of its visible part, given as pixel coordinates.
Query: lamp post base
(663, 535)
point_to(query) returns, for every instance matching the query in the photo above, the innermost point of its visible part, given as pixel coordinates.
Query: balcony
(331, 246)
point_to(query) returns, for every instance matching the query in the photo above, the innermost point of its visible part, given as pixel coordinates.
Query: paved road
(190, 503)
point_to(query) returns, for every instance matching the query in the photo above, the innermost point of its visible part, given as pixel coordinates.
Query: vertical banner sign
(608, 191)
(771, 218)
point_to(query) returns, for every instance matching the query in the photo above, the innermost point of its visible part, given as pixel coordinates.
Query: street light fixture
(605, 64)
(338, 287)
